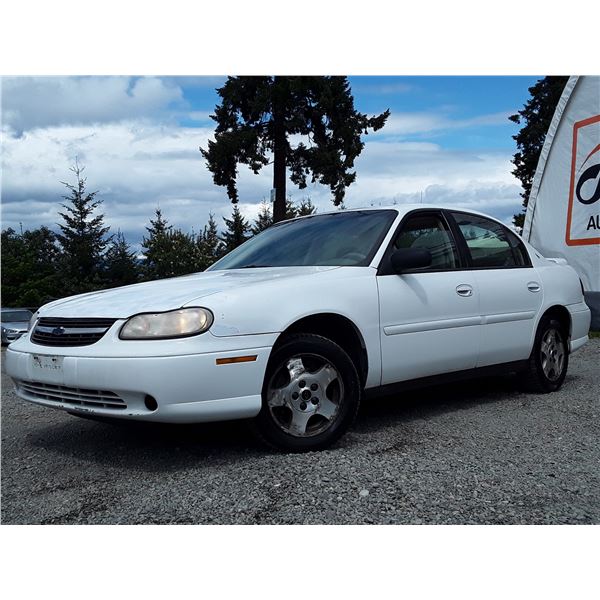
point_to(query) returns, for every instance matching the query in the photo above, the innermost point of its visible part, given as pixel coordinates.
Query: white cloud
(400, 172)
(139, 158)
(200, 116)
(136, 166)
(422, 123)
(384, 88)
(29, 102)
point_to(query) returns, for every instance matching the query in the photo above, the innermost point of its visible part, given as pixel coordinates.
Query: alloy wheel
(552, 354)
(304, 395)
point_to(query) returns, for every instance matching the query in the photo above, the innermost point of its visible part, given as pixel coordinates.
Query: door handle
(464, 290)
(534, 286)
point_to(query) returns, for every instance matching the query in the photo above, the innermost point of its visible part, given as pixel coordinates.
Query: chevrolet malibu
(293, 328)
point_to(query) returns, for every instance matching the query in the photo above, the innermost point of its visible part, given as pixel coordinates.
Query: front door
(429, 317)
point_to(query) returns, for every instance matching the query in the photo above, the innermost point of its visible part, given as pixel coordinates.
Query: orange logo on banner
(575, 187)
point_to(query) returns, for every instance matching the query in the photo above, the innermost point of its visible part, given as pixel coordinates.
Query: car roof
(403, 209)
(406, 208)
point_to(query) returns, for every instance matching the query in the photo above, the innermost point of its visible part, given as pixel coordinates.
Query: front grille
(69, 332)
(68, 396)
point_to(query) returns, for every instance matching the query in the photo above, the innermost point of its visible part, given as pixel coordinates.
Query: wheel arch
(562, 314)
(339, 329)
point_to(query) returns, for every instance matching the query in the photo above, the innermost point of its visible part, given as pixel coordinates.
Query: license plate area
(47, 368)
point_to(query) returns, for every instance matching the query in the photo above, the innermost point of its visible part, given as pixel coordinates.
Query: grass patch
(594, 334)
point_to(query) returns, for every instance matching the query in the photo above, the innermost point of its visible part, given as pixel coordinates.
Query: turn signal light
(236, 359)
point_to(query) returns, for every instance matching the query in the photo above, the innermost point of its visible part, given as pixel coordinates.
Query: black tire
(536, 377)
(344, 392)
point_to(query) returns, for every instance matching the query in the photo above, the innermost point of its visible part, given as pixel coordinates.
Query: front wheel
(311, 394)
(549, 358)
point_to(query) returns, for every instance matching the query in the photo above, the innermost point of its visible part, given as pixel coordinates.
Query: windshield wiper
(254, 266)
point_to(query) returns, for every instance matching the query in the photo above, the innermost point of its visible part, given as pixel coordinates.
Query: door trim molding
(506, 317)
(417, 327)
(432, 325)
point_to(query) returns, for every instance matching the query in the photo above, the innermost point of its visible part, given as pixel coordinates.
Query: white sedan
(297, 325)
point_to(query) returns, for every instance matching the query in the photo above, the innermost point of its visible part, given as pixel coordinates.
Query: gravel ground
(477, 452)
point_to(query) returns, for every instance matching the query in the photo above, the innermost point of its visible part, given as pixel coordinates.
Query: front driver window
(428, 232)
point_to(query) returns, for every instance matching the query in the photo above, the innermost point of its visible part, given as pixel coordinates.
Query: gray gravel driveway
(477, 452)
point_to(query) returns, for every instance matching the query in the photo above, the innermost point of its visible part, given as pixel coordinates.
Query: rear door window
(490, 244)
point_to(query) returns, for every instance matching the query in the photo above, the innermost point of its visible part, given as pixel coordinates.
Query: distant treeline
(41, 265)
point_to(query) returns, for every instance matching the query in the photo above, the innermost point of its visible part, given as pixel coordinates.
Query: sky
(448, 141)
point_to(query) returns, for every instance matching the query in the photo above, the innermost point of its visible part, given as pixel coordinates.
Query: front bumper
(189, 388)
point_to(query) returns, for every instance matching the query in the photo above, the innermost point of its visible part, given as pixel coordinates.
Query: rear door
(510, 291)
(429, 317)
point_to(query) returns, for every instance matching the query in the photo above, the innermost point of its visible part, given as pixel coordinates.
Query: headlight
(173, 324)
(33, 319)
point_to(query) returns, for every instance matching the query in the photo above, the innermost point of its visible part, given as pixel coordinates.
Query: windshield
(336, 239)
(15, 316)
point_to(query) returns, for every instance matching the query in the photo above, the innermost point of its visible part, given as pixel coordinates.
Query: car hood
(18, 325)
(169, 294)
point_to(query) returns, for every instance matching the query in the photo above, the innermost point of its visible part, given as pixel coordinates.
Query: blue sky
(448, 139)
(456, 97)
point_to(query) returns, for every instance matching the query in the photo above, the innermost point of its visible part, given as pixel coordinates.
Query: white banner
(563, 215)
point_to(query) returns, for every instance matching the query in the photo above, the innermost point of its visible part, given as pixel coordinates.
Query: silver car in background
(15, 322)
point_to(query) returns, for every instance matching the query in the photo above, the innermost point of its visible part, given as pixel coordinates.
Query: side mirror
(406, 259)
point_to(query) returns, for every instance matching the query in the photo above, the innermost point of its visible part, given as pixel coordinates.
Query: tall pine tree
(168, 252)
(154, 246)
(237, 230)
(121, 266)
(210, 247)
(83, 236)
(264, 220)
(258, 117)
(535, 118)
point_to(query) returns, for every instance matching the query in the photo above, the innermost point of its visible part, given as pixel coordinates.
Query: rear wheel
(549, 358)
(311, 394)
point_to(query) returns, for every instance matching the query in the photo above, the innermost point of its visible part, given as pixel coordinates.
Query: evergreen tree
(82, 236)
(14, 268)
(535, 117)
(155, 246)
(168, 252)
(210, 247)
(237, 231)
(121, 267)
(258, 116)
(30, 270)
(182, 254)
(306, 208)
(264, 219)
(291, 210)
(160, 225)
